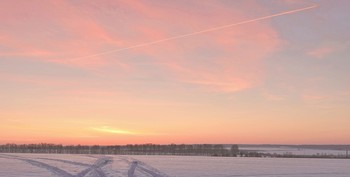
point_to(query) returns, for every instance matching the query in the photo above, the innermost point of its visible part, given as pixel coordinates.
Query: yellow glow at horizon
(107, 129)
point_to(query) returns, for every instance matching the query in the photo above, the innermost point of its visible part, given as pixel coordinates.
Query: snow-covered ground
(294, 150)
(62, 165)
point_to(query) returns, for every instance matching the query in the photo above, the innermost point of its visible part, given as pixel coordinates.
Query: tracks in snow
(94, 170)
(137, 166)
(68, 162)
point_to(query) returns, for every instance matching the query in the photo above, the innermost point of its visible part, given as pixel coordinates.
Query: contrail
(198, 32)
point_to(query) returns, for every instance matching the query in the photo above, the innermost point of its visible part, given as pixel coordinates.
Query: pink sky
(92, 72)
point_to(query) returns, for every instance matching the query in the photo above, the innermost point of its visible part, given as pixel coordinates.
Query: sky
(186, 71)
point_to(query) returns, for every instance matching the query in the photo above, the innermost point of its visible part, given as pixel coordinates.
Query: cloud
(225, 61)
(320, 52)
(63, 32)
(106, 129)
(53, 31)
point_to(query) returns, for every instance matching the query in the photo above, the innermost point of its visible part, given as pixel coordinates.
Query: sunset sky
(154, 71)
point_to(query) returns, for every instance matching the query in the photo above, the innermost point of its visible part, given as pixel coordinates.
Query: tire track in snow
(98, 173)
(68, 162)
(143, 168)
(94, 169)
(48, 167)
(91, 156)
(153, 173)
(132, 168)
(8, 155)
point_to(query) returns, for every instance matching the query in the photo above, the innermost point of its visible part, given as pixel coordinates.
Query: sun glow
(107, 129)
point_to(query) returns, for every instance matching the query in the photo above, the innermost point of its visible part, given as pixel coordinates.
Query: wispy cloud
(223, 61)
(106, 129)
(321, 52)
(211, 55)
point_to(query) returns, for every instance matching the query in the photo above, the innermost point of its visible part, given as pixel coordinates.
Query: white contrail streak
(198, 32)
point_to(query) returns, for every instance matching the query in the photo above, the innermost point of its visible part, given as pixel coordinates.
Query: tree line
(130, 149)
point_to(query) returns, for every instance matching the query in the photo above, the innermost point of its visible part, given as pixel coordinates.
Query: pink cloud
(237, 53)
(58, 28)
(320, 52)
(70, 33)
(319, 97)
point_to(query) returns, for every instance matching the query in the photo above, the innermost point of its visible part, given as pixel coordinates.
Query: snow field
(64, 165)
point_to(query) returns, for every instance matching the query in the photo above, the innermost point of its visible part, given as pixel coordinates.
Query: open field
(65, 165)
(298, 150)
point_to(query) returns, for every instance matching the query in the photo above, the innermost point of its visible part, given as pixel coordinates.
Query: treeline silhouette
(130, 149)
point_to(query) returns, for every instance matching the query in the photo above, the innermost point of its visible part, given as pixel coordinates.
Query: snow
(64, 165)
(252, 167)
(294, 150)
